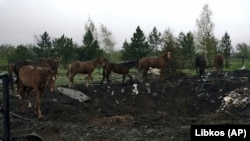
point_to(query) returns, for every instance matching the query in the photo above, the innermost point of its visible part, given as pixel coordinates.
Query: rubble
(236, 99)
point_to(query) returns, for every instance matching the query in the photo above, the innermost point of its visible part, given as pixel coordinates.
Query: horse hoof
(40, 117)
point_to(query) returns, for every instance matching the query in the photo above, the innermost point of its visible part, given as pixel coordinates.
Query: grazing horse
(120, 68)
(86, 67)
(218, 62)
(154, 62)
(49, 63)
(35, 78)
(200, 65)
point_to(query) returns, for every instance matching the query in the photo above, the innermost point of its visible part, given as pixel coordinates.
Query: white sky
(21, 20)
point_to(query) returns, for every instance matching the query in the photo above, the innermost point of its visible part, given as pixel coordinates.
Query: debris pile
(236, 99)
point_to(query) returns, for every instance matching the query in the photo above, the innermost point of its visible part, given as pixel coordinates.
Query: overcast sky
(21, 20)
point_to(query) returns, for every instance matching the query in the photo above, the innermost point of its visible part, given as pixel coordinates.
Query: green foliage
(154, 40)
(188, 49)
(6, 51)
(206, 40)
(244, 50)
(226, 48)
(63, 47)
(44, 48)
(91, 47)
(21, 52)
(138, 47)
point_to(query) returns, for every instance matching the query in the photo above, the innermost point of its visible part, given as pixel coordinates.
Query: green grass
(235, 64)
(81, 78)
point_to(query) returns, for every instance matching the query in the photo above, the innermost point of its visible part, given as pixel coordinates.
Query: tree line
(184, 48)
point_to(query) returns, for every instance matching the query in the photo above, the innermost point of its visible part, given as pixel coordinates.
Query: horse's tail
(69, 70)
(11, 70)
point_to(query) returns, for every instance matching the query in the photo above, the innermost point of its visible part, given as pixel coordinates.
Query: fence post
(5, 109)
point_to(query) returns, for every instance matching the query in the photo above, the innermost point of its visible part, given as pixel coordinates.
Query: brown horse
(218, 62)
(49, 63)
(200, 66)
(154, 62)
(120, 68)
(86, 67)
(35, 78)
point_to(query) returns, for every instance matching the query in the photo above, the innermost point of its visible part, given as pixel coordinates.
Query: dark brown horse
(200, 66)
(35, 78)
(49, 63)
(86, 67)
(218, 62)
(154, 62)
(120, 68)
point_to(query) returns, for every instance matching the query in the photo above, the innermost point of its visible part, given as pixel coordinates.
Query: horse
(218, 62)
(49, 63)
(35, 78)
(86, 67)
(159, 62)
(200, 65)
(120, 68)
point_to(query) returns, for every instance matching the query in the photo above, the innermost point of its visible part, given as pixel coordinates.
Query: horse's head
(55, 64)
(100, 60)
(52, 80)
(136, 63)
(167, 55)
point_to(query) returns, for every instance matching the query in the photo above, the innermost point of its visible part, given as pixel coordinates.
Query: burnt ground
(165, 113)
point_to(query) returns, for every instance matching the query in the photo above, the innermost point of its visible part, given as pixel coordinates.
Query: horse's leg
(21, 91)
(145, 71)
(197, 71)
(103, 76)
(91, 79)
(129, 75)
(38, 103)
(161, 73)
(71, 79)
(29, 101)
(88, 79)
(123, 78)
(107, 76)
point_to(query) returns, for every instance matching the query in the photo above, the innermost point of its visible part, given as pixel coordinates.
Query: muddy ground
(165, 112)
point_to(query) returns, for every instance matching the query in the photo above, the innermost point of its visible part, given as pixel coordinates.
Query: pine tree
(138, 47)
(64, 49)
(44, 49)
(91, 47)
(154, 40)
(188, 49)
(226, 48)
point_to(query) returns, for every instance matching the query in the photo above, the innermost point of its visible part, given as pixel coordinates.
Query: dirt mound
(156, 110)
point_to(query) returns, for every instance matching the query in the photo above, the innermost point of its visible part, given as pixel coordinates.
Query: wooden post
(5, 109)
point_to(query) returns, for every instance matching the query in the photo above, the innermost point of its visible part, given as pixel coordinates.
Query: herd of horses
(200, 64)
(39, 74)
